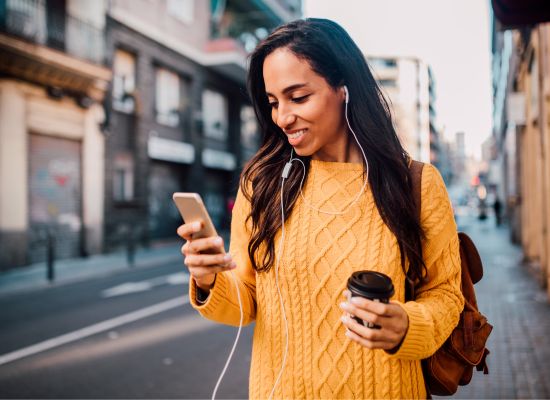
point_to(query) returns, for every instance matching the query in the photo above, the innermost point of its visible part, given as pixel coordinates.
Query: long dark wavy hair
(332, 54)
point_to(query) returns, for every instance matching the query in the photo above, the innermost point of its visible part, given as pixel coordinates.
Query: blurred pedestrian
(482, 209)
(497, 208)
(338, 181)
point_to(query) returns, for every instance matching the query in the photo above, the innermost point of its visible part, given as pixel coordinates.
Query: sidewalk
(72, 270)
(34, 276)
(519, 310)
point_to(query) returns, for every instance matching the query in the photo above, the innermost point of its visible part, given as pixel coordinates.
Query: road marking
(142, 286)
(126, 288)
(94, 329)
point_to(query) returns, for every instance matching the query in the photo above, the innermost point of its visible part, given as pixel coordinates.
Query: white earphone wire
(285, 354)
(284, 176)
(236, 338)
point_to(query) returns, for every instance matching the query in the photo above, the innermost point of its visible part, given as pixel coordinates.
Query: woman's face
(307, 109)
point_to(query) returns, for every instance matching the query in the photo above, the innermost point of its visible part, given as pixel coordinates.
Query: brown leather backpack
(453, 363)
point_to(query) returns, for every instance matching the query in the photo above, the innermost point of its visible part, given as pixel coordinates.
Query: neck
(345, 151)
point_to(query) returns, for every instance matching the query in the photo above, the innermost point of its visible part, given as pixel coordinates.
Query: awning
(515, 13)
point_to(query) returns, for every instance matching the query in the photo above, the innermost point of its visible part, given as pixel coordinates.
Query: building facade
(409, 85)
(109, 107)
(179, 116)
(52, 84)
(521, 129)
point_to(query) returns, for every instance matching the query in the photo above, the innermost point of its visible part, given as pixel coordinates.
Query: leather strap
(416, 175)
(416, 182)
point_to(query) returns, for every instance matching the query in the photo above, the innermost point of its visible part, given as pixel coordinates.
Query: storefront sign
(218, 159)
(170, 150)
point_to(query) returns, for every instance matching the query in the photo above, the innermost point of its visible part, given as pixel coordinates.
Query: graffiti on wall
(55, 193)
(53, 186)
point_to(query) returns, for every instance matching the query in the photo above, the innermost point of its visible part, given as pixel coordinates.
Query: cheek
(337, 114)
(327, 115)
(313, 112)
(327, 108)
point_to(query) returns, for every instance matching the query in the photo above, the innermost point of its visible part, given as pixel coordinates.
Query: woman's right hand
(204, 257)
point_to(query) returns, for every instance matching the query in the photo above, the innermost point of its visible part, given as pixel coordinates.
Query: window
(123, 177)
(534, 92)
(382, 62)
(388, 82)
(249, 127)
(167, 104)
(124, 81)
(181, 9)
(214, 110)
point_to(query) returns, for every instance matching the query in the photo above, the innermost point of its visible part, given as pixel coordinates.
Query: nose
(284, 117)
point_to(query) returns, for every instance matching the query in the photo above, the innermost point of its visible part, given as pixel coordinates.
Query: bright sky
(451, 36)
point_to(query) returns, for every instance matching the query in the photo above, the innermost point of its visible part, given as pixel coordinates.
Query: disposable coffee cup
(371, 285)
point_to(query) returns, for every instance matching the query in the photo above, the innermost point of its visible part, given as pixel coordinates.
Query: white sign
(218, 159)
(170, 150)
(515, 107)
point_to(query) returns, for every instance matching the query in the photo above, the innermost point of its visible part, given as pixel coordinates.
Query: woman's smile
(307, 108)
(296, 137)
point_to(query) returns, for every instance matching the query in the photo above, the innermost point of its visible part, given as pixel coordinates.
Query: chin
(302, 152)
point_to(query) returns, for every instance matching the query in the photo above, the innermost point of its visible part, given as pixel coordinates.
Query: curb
(26, 281)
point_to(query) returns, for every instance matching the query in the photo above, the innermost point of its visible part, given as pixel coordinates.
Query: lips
(295, 136)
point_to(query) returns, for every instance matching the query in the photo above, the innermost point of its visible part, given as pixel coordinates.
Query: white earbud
(347, 94)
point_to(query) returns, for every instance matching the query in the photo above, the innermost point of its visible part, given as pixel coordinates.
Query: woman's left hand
(391, 318)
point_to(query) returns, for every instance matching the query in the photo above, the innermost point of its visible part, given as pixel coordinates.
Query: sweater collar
(335, 166)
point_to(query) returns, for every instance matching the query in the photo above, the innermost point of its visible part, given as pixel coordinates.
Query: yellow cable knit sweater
(320, 253)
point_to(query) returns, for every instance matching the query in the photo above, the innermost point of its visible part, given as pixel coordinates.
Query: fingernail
(348, 333)
(233, 265)
(343, 318)
(343, 305)
(196, 226)
(217, 241)
(227, 258)
(355, 300)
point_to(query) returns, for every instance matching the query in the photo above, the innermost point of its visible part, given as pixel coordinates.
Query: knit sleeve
(436, 310)
(222, 304)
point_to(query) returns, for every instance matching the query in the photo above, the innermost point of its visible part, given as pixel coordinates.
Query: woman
(354, 212)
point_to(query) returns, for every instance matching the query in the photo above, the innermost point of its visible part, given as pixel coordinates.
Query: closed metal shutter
(55, 196)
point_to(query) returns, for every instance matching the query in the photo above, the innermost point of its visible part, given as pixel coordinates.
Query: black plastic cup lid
(371, 284)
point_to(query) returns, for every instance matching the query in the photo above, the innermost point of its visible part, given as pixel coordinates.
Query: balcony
(53, 27)
(249, 21)
(41, 43)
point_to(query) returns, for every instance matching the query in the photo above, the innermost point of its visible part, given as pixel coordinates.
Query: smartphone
(192, 209)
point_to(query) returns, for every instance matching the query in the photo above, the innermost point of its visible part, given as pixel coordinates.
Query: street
(170, 354)
(143, 340)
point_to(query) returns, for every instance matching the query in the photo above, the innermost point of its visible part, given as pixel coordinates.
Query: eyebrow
(289, 88)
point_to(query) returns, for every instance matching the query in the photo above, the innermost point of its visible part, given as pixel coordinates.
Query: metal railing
(34, 21)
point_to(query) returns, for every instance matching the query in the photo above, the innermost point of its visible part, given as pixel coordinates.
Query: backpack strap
(416, 175)
(416, 182)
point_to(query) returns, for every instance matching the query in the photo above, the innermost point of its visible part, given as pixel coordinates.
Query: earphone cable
(279, 291)
(236, 338)
(281, 248)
